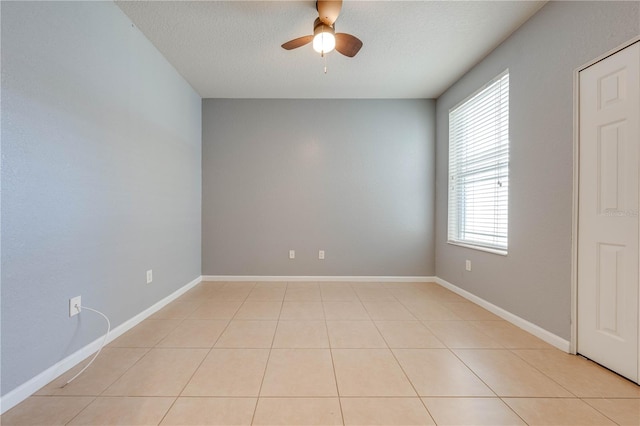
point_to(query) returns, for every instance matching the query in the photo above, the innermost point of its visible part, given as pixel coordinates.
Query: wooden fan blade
(297, 42)
(328, 10)
(347, 44)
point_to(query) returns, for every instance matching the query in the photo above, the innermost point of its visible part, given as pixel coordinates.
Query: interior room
(251, 226)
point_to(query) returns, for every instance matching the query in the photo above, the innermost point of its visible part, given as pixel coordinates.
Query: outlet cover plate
(73, 311)
(149, 276)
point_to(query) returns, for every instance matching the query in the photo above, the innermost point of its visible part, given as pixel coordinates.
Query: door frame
(573, 343)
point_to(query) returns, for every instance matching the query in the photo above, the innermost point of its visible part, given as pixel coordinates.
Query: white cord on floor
(101, 346)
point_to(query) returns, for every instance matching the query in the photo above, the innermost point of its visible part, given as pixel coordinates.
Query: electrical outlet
(467, 265)
(75, 306)
(149, 276)
(321, 254)
(292, 254)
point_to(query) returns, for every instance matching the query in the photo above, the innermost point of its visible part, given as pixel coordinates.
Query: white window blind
(479, 168)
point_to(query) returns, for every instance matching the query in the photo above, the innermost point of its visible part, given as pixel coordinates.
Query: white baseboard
(527, 326)
(25, 390)
(287, 278)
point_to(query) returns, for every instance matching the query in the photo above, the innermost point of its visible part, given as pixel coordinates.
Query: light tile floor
(331, 353)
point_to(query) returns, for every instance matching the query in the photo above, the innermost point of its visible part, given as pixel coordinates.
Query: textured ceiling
(412, 49)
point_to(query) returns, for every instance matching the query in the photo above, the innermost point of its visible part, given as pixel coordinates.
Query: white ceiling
(412, 49)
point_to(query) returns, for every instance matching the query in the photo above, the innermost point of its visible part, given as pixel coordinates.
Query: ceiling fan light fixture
(324, 39)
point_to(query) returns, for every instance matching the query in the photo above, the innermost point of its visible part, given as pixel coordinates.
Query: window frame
(457, 240)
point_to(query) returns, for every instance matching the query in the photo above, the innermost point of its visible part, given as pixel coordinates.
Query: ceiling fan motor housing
(321, 27)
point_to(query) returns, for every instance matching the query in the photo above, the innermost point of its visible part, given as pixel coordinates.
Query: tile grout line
(266, 365)
(393, 354)
(582, 399)
(333, 364)
(405, 373)
(602, 413)
(147, 348)
(541, 372)
(455, 355)
(199, 365)
(421, 320)
(500, 397)
(512, 410)
(181, 320)
(79, 412)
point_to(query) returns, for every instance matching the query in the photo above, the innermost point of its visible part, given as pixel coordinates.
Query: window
(479, 168)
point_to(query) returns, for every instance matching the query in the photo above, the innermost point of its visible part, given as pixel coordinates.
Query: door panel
(611, 168)
(608, 224)
(609, 293)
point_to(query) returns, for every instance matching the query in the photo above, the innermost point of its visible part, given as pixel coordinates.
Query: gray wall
(534, 280)
(352, 177)
(101, 178)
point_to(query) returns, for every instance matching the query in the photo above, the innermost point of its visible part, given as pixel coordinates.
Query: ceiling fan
(324, 37)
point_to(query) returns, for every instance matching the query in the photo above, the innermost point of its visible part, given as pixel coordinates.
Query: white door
(608, 222)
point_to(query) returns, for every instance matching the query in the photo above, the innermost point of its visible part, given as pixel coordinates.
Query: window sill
(479, 248)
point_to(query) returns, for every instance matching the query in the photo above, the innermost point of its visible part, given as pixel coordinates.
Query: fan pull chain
(325, 62)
